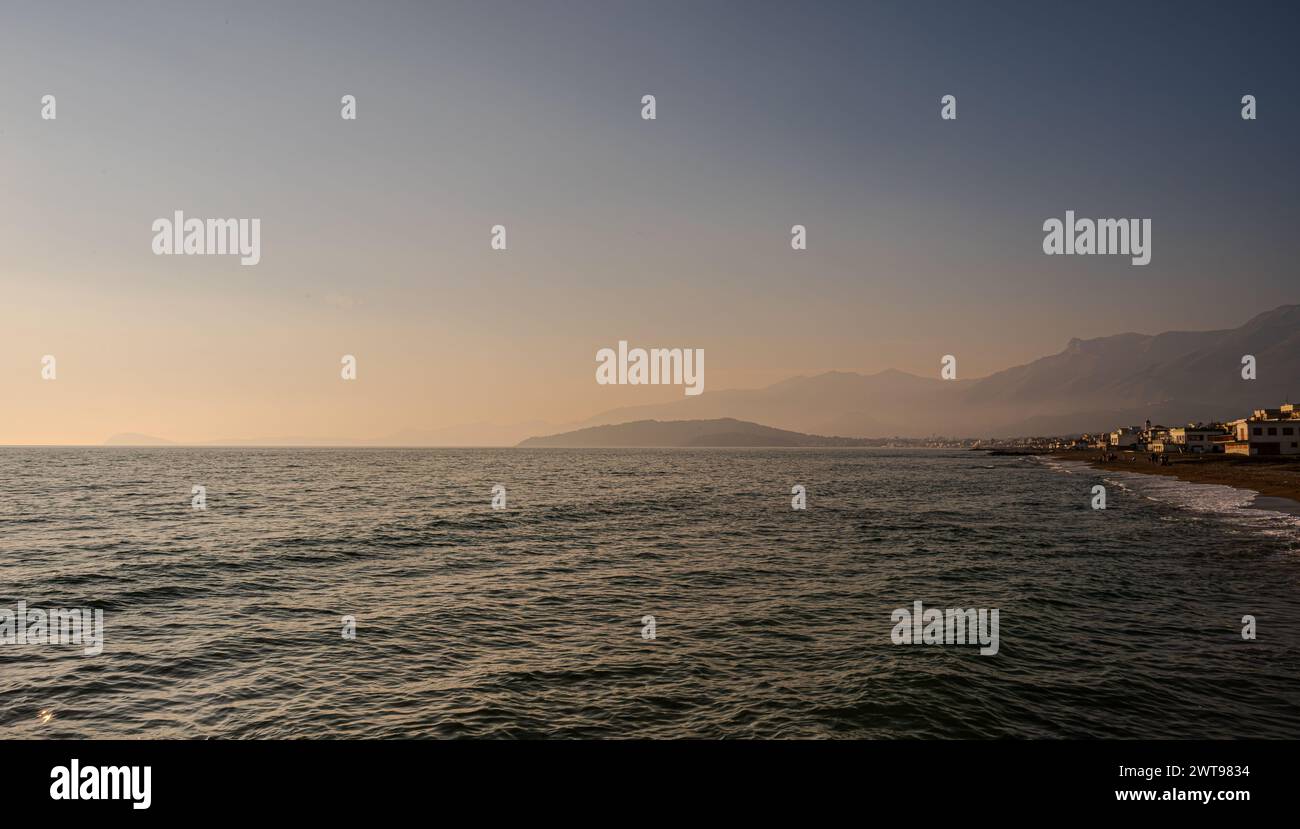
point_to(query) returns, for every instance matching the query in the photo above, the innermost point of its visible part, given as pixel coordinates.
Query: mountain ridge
(720, 432)
(1091, 384)
(1088, 385)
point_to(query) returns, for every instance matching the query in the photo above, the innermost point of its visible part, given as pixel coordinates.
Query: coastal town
(1265, 433)
(1259, 453)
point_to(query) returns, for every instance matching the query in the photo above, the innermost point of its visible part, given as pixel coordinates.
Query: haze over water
(527, 622)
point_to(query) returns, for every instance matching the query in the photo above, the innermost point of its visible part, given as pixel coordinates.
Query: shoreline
(1276, 483)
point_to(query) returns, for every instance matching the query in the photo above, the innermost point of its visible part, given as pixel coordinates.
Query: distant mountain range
(1090, 385)
(724, 431)
(1096, 384)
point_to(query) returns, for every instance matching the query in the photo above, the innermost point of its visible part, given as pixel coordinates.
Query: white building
(1125, 438)
(1268, 432)
(1274, 436)
(1197, 439)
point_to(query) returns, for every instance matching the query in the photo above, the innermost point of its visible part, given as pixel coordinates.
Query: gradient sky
(924, 235)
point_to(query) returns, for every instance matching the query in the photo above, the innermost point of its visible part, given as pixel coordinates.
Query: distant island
(720, 432)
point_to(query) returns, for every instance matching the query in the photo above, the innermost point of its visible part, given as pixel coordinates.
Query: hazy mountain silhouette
(1091, 384)
(1174, 377)
(683, 433)
(471, 434)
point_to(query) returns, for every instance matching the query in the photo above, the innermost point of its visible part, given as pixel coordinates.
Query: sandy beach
(1277, 480)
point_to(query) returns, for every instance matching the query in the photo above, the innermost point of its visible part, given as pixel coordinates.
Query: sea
(623, 593)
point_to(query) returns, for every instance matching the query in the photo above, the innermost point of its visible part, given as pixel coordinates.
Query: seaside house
(1125, 438)
(1238, 441)
(1272, 431)
(1240, 431)
(1200, 439)
(1154, 438)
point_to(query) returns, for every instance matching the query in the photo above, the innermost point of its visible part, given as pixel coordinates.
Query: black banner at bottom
(146, 780)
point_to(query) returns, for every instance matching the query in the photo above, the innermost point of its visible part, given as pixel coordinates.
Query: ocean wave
(529, 622)
(1237, 506)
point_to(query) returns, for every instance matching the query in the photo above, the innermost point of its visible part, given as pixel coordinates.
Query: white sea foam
(1229, 503)
(1058, 465)
(1217, 500)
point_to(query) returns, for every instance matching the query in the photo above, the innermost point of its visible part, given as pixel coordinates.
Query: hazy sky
(924, 235)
